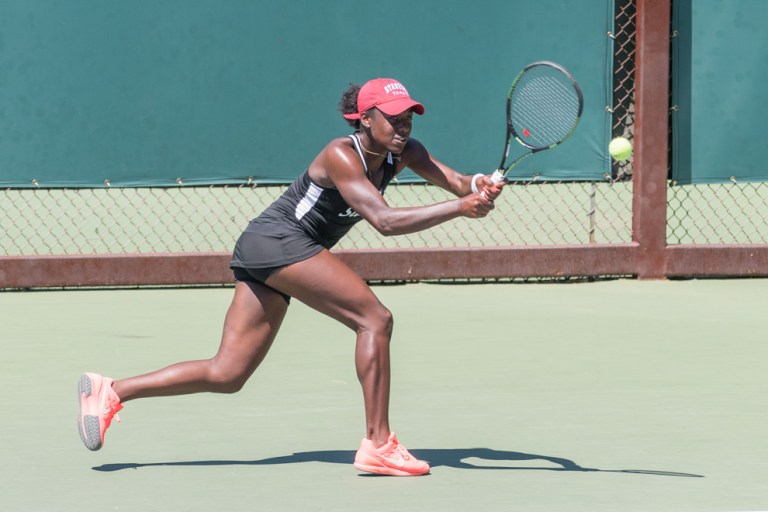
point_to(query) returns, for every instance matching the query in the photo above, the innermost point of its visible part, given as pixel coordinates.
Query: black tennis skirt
(264, 248)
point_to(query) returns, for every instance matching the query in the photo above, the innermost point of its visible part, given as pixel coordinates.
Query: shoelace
(394, 446)
(110, 410)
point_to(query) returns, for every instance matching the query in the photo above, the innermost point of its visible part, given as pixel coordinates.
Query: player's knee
(230, 385)
(227, 381)
(380, 321)
(389, 321)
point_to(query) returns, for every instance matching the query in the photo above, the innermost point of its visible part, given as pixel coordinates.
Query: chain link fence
(726, 213)
(623, 108)
(203, 219)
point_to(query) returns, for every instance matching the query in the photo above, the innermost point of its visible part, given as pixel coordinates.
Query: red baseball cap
(387, 95)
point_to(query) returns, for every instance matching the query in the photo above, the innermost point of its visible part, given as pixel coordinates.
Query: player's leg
(326, 284)
(251, 323)
(250, 327)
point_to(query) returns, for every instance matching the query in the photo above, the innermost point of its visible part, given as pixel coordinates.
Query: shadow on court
(487, 459)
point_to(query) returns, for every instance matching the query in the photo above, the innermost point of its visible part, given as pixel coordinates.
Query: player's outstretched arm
(417, 158)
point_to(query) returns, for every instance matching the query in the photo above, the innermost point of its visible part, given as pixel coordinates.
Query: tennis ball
(620, 148)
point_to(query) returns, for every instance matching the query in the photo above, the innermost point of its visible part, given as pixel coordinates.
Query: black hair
(348, 104)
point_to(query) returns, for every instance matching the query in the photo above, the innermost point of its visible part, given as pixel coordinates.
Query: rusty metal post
(649, 222)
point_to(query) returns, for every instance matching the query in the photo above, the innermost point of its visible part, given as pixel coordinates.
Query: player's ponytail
(348, 104)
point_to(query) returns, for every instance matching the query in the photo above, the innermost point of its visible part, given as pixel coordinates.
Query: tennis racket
(544, 107)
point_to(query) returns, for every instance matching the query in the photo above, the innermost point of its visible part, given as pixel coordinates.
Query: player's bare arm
(349, 177)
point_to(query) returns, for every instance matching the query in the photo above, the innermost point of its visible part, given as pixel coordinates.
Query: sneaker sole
(387, 471)
(87, 425)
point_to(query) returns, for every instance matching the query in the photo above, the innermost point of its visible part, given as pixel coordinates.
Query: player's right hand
(493, 191)
(476, 205)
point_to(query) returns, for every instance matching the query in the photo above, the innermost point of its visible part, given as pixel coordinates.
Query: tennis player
(284, 253)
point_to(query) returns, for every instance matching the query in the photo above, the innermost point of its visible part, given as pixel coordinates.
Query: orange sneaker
(98, 405)
(390, 459)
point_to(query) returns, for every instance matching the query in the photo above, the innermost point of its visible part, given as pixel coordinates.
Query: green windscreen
(720, 71)
(212, 92)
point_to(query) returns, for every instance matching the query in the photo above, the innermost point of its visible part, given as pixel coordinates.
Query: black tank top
(320, 212)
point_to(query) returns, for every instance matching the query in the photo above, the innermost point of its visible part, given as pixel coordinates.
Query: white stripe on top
(308, 201)
(358, 146)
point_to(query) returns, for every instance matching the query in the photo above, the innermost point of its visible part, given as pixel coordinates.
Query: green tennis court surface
(609, 396)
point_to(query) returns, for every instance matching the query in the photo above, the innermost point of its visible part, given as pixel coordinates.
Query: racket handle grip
(497, 176)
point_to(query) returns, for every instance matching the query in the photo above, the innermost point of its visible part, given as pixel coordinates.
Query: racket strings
(544, 109)
(545, 114)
